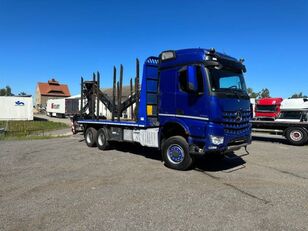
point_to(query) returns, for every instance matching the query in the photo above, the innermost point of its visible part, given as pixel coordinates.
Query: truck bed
(278, 125)
(110, 122)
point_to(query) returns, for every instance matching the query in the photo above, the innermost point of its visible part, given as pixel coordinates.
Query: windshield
(266, 108)
(224, 81)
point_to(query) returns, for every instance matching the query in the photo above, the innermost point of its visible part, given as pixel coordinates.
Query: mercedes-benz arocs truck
(191, 102)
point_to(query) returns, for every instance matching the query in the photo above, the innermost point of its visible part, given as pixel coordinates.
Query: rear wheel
(296, 136)
(91, 137)
(102, 139)
(175, 152)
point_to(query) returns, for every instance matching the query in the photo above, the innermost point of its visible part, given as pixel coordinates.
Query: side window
(183, 80)
(200, 80)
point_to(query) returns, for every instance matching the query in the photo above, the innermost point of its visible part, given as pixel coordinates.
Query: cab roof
(190, 56)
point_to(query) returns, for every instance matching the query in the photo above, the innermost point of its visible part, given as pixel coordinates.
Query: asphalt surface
(61, 184)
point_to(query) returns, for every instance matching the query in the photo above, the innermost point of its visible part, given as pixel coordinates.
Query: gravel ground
(65, 120)
(60, 184)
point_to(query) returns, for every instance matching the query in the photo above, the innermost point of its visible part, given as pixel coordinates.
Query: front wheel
(175, 152)
(296, 136)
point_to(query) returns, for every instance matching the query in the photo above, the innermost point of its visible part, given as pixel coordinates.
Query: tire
(296, 136)
(73, 128)
(102, 139)
(175, 152)
(91, 137)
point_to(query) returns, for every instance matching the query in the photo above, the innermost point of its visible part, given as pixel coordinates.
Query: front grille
(236, 122)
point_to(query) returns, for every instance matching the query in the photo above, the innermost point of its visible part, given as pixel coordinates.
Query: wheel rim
(296, 135)
(89, 137)
(101, 139)
(175, 154)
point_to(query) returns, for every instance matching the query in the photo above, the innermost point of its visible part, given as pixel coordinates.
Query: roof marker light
(167, 55)
(211, 51)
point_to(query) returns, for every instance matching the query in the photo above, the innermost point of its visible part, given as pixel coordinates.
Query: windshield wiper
(233, 92)
(239, 93)
(236, 93)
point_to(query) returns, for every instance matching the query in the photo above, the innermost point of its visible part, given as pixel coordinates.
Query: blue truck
(191, 102)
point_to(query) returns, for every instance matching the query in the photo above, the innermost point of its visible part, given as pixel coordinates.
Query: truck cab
(202, 95)
(293, 115)
(294, 110)
(268, 108)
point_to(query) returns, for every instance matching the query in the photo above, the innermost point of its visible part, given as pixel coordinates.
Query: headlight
(217, 139)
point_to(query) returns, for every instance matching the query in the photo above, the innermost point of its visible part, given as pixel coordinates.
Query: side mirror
(192, 81)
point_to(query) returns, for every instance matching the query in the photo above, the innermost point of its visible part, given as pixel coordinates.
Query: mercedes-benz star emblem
(238, 116)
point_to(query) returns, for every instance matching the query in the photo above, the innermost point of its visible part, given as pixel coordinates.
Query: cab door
(190, 92)
(167, 89)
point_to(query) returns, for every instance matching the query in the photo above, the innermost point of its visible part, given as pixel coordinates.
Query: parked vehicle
(253, 107)
(69, 106)
(191, 102)
(295, 103)
(56, 107)
(291, 123)
(267, 108)
(72, 105)
(16, 108)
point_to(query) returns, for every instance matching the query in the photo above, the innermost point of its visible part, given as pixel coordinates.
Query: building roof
(53, 88)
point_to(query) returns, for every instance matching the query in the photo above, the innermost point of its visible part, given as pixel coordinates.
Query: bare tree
(298, 95)
(264, 93)
(252, 94)
(22, 93)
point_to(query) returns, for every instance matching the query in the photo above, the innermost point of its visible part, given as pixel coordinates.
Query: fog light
(217, 139)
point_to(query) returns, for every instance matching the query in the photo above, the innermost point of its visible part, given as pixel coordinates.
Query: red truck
(268, 108)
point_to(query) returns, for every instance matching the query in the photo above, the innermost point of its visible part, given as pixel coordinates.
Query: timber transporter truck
(191, 102)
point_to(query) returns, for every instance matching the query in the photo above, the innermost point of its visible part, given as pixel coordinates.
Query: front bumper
(236, 147)
(232, 141)
(194, 149)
